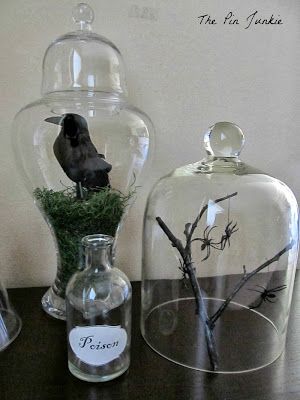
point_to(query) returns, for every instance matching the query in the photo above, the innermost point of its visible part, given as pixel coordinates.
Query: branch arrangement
(188, 268)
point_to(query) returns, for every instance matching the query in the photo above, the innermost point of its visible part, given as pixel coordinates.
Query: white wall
(186, 76)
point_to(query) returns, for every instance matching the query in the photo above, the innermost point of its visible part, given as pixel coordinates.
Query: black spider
(267, 294)
(229, 230)
(185, 274)
(183, 270)
(207, 242)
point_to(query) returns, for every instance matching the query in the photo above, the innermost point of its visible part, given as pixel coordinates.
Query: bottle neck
(98, 258)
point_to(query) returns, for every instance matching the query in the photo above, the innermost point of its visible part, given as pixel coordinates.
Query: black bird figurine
(77, 154)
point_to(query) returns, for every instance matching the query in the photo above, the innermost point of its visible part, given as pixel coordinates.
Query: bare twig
(242, 282)
(201, 311)
(173, 239)
(200, 306)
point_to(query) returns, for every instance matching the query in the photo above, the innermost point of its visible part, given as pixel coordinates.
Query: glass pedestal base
(54, 305)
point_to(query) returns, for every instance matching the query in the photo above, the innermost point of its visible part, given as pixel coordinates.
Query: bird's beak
(54, 120)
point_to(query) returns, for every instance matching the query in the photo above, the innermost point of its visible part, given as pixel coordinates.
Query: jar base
(95, 378)
(54, 305)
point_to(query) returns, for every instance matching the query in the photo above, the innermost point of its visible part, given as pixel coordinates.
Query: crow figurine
(77, 155)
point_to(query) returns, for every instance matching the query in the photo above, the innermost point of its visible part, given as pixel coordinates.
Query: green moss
(72, 219)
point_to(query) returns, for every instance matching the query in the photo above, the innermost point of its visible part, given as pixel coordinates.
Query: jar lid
(83, 60)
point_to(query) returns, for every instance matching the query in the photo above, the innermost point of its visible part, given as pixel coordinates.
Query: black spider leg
(258, 291)
(228, 233)
(185, 276)
(232, 230)
(207, 254)
(270, 291)
(261, 300)
(258, 305)
(270, 301)
(277, 288)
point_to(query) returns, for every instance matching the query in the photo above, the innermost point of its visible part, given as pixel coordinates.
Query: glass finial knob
(224, 139)
(83, 15)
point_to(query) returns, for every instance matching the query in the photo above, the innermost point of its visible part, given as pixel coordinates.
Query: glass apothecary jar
(82, 146)
(220, 248)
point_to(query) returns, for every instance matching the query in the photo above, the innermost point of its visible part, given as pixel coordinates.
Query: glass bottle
(220, 249)
(82, 146)
(98, 304)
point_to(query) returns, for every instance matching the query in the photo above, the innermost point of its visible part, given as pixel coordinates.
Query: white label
(98, 345)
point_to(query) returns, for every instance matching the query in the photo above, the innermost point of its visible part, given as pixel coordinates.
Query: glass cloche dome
(82, 146)
(220, 248)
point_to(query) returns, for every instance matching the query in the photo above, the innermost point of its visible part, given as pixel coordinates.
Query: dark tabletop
(34, 367)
